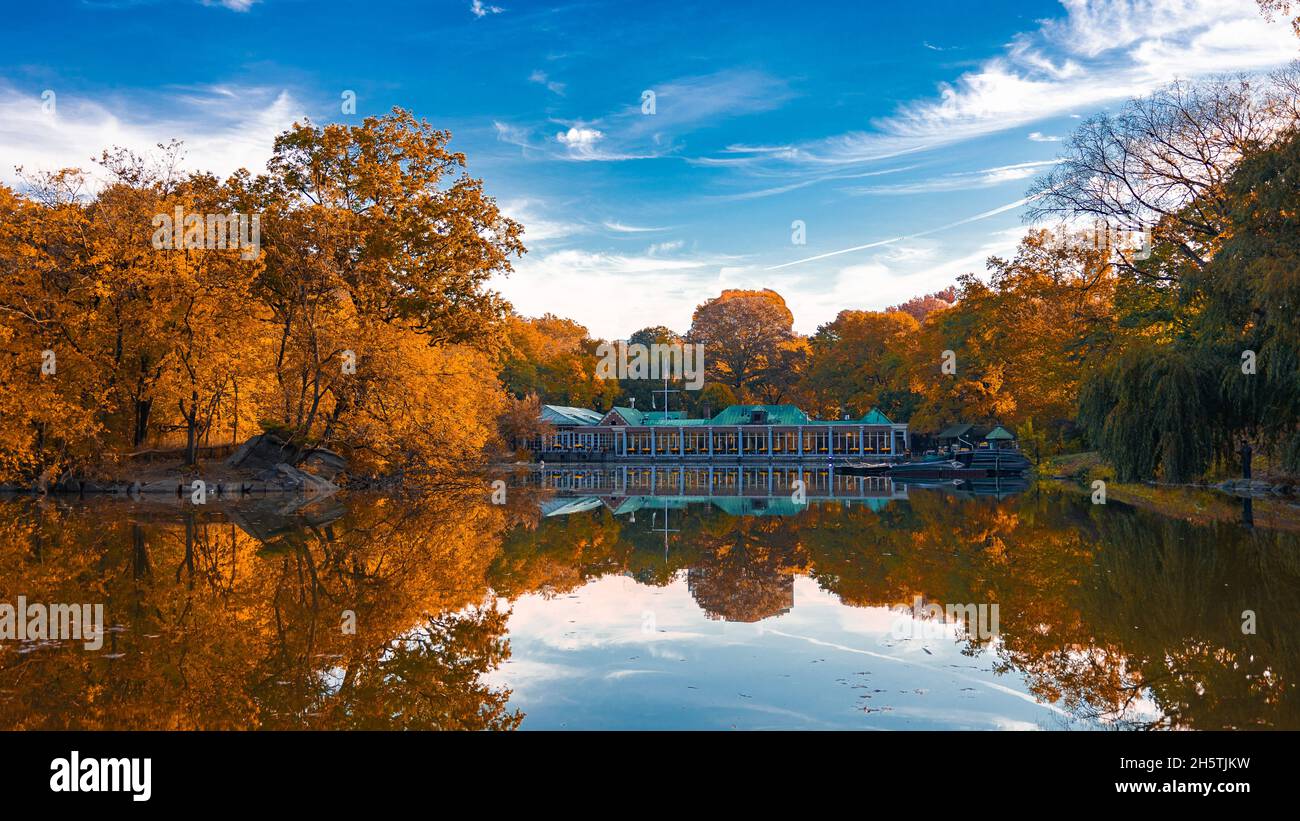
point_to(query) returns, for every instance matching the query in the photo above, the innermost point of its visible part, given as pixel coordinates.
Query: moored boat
(971, 463)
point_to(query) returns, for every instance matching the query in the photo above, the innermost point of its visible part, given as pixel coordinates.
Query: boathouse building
(741, 432)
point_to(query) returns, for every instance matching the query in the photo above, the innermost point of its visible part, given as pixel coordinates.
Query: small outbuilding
(967, 436)
(956, 437)
(1001, 438)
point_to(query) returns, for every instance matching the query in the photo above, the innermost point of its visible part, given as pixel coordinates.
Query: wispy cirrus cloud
(809, 181)
(541, 221)
(233, 5)
(1101, 52)
(983, 215)
(631, 132)
(623, 228)
(963, 180)
(541, 78)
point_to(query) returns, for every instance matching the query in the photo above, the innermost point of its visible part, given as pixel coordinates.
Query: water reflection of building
(739, 490)
(740, 592)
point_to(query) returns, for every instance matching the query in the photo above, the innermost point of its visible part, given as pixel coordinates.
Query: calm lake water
(613, 597)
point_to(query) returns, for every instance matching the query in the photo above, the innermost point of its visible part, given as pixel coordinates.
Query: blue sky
(905, 131)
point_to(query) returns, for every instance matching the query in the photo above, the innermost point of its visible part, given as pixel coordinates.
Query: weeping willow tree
(1151, 413)
(1253, 297)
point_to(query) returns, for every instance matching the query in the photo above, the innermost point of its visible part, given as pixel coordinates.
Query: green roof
(760, 506)
(631, 504)
(566, 506)
(636, 418)
(1000, 433)
(630, 415)
(564, 415)
(740, 415)
(955, 431)
(664, 416)
(875, 417)
(776, 415)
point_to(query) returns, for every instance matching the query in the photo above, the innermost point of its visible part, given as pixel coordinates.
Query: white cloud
(224, 128)
(538, 228)
(890, 277)
(233, 5)
(983, 215)
(580, 141)
(1101, 52)
(480, 11)
(1040, 137)
(964, 180)
(540, 78)
(1093, 27)
(623, 228)
(513, 134)
(666, 288)
(658, 248)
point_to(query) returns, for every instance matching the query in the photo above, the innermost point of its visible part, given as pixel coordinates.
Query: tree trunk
(191, 430)
(142, 409)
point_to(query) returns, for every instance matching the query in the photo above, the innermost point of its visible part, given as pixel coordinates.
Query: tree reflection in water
(226, 619)
(236, 620)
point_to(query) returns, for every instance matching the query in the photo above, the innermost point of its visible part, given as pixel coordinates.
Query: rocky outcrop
(324, 463)
(263, 452)
(287, 477)
(271, 459)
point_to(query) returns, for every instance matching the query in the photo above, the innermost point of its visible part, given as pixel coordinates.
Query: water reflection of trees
(214, 628)
(1106, 609)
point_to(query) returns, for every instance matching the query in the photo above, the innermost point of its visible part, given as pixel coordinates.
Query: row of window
(781, 442)
(668, 479)
(676, 442)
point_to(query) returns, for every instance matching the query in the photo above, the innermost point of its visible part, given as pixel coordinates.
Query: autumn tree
(1213, 361)
(1273, 8)
(353, 312)
(859, 362)
(919, 307)
(554, 358)
(521, 420)
(648, 393)
(745, 336)
(377, 223)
